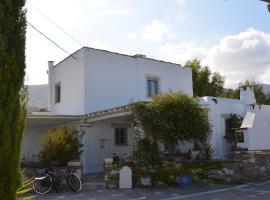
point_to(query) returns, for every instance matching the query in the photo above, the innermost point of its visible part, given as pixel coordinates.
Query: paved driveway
(249, 191)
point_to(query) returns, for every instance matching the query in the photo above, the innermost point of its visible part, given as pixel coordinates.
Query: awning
(248, 120)
(48, 119)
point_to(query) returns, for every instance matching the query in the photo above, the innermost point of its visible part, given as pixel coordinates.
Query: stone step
(93, 185)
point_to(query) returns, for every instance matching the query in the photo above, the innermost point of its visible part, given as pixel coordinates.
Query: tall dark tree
(205, 83)
(12, 112)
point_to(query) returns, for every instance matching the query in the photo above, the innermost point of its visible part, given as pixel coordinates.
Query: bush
(60, 146)
(146, 154)
(208, 153)
(173, 117)
(168, 175)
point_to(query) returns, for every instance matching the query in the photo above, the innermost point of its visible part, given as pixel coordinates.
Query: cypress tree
(12, 110)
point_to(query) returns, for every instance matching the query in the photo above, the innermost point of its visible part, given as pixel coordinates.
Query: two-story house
(93, 87)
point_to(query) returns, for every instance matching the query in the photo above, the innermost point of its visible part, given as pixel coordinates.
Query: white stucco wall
(70, 74)
(259, 134)
(115, 79)
(37, 128)
(93, 155)
(217, 114)
(99, 80)
(34, 133)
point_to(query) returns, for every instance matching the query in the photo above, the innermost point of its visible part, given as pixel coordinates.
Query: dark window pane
(240, 137)
(152, 86)
(57, 93)
(120, 136)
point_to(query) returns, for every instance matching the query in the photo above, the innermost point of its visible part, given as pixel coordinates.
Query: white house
(254, 132)
(91, 80)
(92, 87)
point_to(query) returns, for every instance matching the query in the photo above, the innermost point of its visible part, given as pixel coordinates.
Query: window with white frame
(152, 86)
(57, 93)
(121, 137)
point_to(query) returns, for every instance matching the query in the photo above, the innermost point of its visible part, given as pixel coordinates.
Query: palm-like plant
(208, 153)
(24, 189)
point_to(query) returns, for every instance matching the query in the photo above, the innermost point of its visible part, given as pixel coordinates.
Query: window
(57, 93)
(227, 125)
(240, 137)
(121, 136)
(152, 86)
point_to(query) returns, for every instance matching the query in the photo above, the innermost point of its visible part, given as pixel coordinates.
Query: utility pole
(268, 4)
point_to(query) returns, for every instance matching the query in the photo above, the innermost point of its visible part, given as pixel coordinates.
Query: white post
(125, 178)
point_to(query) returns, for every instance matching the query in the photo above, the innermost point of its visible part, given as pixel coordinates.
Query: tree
(260, 95)
(205, 83)
(171, 117)
(12, 110)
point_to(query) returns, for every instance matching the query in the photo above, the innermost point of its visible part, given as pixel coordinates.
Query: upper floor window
(57, 93)
(152, 86)
(121, 136)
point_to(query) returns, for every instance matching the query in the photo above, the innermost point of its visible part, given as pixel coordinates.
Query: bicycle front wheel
(74, 182)
(43, 185)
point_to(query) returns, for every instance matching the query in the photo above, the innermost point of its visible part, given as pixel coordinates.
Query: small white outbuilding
(254, 133)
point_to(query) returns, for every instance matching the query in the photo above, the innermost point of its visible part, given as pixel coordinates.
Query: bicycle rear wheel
(74, 182)
(43, 185)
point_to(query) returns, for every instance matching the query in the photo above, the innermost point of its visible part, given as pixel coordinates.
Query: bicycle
(48, 180)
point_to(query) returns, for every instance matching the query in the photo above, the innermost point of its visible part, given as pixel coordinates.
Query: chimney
(50, 83)
(50, 66)
(139, 56)
(247, 95)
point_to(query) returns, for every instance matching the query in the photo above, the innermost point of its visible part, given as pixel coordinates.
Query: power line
(50, 40)
(50, 20)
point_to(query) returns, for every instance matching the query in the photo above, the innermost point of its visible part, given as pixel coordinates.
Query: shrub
(173, 117)
(146, 154)
(168, 175)
(61, 145)
(208, 153)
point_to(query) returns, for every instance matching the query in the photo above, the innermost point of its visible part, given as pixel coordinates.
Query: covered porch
(107, 134)
(37, 127)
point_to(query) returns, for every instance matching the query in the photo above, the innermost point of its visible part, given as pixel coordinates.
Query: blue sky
(232, 36)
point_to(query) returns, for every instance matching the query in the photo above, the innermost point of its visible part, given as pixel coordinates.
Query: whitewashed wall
(93, 155)
(32, 138)
(70, 74)
(259, 134)
(217, 113)
(115, 80)
(99, 79)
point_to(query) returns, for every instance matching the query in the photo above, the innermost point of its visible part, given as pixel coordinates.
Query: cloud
(182, 52)
(181, 2)
(155, 32)
(242, 56)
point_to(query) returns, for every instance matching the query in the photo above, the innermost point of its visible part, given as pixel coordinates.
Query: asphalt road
(259, 191)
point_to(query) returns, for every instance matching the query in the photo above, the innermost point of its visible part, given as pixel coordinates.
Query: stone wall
(254, 165)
